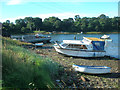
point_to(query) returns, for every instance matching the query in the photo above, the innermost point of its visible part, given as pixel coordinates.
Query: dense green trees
(52, 24)
(101, 23)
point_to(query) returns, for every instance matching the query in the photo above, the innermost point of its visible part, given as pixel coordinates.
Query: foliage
(93, 33)
(25, 69)
(42, 32)
(101, 23)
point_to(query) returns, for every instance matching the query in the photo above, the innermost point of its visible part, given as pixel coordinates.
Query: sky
(63, 9)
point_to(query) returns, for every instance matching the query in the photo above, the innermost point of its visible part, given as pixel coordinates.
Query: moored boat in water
(88, 47)
(92, 69)
(106, 38)
(32, 38)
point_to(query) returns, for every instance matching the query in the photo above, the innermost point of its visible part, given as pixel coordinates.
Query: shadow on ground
(108, 75)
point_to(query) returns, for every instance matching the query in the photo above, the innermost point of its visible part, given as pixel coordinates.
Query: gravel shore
(69, 78)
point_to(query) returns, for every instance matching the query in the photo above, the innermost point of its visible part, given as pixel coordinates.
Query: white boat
(38, 44)
(92, 69)
(106, 38)
(88, 47)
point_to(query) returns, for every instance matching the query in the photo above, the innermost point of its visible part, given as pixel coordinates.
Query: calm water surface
(113, 47)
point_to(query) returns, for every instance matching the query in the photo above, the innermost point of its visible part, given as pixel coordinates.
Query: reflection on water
(112, 49)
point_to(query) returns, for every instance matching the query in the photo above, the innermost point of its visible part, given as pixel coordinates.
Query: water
(113, 47)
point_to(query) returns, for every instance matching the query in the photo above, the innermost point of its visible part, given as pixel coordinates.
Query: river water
(113, 48)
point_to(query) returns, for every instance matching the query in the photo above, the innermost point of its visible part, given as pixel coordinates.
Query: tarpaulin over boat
(98, 45)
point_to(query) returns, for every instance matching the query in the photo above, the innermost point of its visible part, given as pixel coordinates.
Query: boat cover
(93, 39)
(98, 45)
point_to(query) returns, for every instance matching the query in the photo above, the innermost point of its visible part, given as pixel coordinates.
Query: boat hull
(38, 40)
(92, 69)
(80, 53)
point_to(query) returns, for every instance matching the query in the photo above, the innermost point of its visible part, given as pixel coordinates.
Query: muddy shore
(69, 78)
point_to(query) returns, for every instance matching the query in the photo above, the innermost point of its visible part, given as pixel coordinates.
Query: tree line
(101, 23)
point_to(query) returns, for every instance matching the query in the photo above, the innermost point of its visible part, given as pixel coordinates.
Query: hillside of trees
(101, 23)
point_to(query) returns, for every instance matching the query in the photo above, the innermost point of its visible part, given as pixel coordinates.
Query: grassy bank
(25, 69)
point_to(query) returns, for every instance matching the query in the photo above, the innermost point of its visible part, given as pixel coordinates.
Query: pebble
(83, 79)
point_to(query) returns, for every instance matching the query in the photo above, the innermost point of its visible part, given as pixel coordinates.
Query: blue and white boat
(88, 47)
(92, 69)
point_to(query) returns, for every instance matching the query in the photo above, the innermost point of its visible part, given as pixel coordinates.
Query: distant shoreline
(41, 32)
(44, 32)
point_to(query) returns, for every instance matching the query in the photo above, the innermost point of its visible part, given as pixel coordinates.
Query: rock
(49, 50)
(83, 79)
(33, 48)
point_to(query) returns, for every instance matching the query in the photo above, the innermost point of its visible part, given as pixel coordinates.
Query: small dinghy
(106, 38)
(92, 69)
(38, 44)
